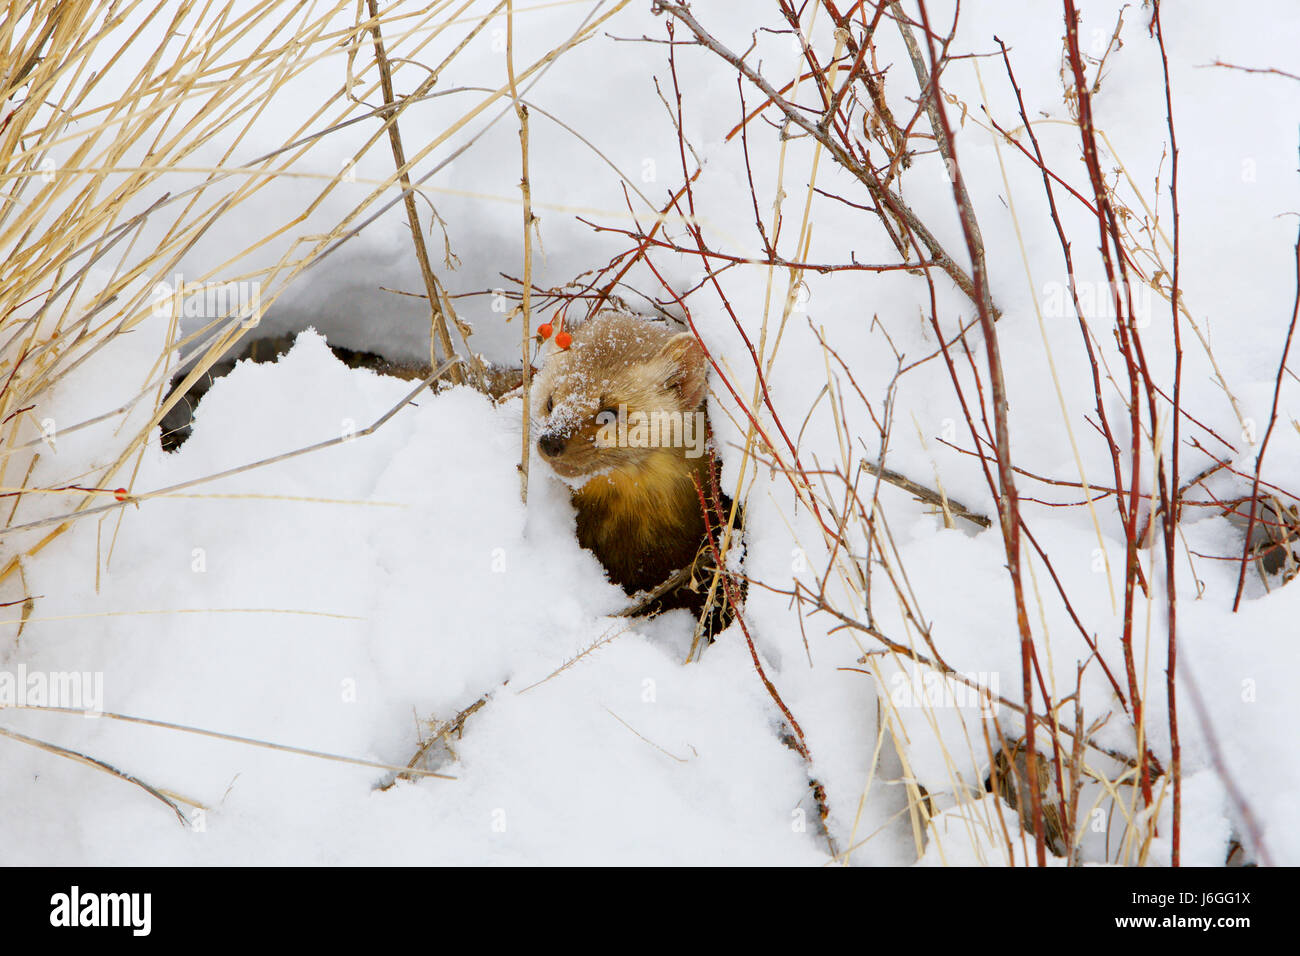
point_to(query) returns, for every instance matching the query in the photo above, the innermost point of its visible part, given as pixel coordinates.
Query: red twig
(733, 600)
(1130, 345)
(1008, 507)
(1172, 507)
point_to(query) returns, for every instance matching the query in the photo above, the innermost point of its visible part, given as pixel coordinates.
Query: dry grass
(115, 163)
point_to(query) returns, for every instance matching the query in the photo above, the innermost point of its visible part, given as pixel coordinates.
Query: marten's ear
(689, 369)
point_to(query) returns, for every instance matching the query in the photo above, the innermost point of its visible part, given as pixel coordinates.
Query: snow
(408, 570)
(340, 601)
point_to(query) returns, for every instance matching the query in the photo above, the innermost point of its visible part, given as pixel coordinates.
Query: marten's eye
(550, 404)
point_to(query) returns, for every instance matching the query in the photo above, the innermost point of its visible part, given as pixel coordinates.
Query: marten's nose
(551, 444)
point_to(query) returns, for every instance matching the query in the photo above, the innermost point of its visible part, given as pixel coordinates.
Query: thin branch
(1008, 504)
(98, 765)
(437, 318)
(527, 305)
(881, 194)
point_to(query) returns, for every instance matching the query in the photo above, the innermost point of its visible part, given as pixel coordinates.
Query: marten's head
(626, 392)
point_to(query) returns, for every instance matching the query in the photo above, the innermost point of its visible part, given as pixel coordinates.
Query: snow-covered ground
(342, 600)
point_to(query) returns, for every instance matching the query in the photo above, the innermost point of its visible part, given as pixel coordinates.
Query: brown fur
(638, 508)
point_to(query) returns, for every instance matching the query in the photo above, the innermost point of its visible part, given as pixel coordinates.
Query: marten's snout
(551, 444)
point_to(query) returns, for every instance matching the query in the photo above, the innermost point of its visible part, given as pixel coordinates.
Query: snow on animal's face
(625, 390)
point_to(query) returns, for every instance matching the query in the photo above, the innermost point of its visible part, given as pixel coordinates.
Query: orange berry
(563, 340)
(544, 330)
(120, 494)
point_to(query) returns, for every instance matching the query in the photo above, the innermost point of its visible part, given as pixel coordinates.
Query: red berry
(120, 494)
(563, 340)
(544, 330)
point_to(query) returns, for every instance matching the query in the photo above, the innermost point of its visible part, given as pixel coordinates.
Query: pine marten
(620, 418)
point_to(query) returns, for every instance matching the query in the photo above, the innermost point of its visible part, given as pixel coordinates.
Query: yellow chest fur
(649, 500)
